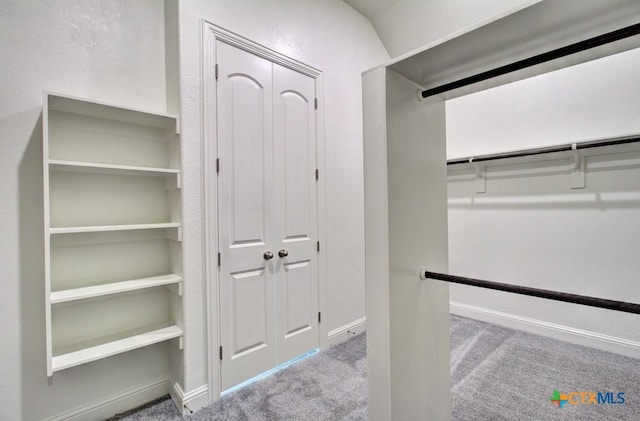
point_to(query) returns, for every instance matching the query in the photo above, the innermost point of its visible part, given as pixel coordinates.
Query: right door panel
(294, 130)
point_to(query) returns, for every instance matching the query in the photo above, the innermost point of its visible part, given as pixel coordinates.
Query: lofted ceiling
(370, 8)
(405, 25)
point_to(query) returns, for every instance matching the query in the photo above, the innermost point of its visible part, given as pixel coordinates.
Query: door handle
(283, 253)
(267, 255)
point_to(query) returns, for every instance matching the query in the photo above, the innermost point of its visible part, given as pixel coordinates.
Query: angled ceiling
(370, 8)
(405, 25)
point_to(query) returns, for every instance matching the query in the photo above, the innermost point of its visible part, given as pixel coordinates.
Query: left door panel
(245, 189)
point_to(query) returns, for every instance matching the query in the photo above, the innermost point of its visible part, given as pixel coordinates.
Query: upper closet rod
(597, 41)
(550, 149)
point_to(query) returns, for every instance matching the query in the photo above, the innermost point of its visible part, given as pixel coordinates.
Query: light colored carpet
(331, 385)
(497, 374)
(502, 374)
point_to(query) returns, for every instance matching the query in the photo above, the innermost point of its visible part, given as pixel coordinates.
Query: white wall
(112, 51)
(589, 101)
(332, 37)
(530, 227)
(115, 52)
(406, 25)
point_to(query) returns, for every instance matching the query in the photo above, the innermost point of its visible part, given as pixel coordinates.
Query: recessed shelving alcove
(113, 253)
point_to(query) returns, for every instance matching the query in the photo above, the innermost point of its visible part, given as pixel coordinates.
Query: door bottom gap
(271, 371)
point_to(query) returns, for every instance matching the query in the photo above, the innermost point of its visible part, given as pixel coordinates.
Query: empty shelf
(103, 228)
(60, 165)
(73, 105)
(112, 288)
(86, 355)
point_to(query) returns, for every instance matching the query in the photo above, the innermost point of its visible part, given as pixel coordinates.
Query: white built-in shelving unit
(113, 255)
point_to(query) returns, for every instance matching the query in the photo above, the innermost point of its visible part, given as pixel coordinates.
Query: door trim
(210, 35)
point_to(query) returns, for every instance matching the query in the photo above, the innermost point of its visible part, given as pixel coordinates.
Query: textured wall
(112, 51)
(115, 52)
(328, 35)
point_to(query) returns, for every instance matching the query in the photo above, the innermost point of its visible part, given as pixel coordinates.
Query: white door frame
(211, 34)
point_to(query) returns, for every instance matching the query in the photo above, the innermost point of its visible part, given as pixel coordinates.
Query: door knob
(283, 253)
(267, 255)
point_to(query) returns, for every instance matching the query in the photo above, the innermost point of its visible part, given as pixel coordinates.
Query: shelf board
(87, 355)
(75, 294)
(104, 228)
(74, 105)
(60, 165)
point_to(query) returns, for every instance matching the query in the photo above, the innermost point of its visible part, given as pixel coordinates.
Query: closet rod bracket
(481, 185)
(577, 168)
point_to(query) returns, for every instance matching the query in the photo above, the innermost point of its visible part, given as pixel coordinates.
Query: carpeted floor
(496, 373)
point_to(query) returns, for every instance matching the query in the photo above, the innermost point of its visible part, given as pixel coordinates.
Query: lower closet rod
(535, 292)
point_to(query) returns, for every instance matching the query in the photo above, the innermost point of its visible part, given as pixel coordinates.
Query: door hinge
(319, 317)
(216, 71)
(317, 174)
(220, 353)
(315, 103)
(219, 259)
(318, 246)
(218, 165)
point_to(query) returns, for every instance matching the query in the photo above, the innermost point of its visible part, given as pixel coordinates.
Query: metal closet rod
(550, 149)
(535, 292)
(588, 44)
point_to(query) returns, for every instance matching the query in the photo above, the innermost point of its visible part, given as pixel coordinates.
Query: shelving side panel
(175, 253)
(81, 199)
(173, 150)
(90, 322)
(176, 308)
(174, 198)
(82, 138)
(47, 250)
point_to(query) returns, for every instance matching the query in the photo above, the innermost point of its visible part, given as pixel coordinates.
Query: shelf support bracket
(173, 183)
(577, 169)
(481, 185)
(178, 342)
(176, 289)
(174, 234)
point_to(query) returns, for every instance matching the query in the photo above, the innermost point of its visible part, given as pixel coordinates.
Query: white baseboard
(191, 401)
(115, 404)
(564, 333)
(343, 333)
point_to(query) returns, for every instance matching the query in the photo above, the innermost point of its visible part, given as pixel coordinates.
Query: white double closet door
(267, 214)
